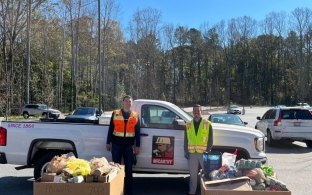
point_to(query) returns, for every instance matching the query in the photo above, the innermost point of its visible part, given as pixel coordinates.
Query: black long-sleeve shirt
(196, 126)
(129, 141)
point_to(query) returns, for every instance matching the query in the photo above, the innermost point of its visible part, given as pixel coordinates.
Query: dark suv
(40, 110)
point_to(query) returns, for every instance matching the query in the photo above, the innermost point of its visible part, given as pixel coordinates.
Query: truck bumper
(3, 159)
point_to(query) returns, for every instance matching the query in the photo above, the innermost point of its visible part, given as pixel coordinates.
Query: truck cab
(162, 138)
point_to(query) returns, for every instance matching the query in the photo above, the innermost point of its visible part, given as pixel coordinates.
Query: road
(291, 162)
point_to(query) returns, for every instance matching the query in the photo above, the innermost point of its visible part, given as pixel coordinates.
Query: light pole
(99, 54)
(28, 52)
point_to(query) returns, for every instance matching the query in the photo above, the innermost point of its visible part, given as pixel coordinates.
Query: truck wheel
(270, 140)
(25, 115)
(42, 163)
(309, 143)
(44, 115)
(241, 155)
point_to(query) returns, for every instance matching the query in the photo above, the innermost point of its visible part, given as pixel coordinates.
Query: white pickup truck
(34, 143)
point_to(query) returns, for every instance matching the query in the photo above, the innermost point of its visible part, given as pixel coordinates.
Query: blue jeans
(125, 151)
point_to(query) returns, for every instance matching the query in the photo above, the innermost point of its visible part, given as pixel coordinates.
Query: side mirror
(179, 124)
(258, 118)
(98, 113)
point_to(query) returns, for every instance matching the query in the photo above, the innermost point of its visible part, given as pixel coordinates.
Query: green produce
(267, 170)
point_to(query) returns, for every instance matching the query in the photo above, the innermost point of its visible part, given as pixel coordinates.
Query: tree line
(241, 61)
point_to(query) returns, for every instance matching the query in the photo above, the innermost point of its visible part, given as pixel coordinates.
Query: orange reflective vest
(197, 143)
(120, 128)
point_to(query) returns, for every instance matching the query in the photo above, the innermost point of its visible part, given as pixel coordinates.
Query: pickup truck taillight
(3, 136)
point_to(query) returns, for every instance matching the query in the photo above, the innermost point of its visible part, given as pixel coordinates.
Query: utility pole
(99, 55)
(28, 52)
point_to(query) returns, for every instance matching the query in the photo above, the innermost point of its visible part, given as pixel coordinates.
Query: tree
(13, 22)
(144, 31)
(302, 23)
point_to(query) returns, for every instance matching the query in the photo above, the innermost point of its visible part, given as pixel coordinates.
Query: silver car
(84, 114)
(227, 119)
(40, 110)
(234, 109)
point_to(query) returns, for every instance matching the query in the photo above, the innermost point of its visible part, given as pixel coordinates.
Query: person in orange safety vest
(124, 136)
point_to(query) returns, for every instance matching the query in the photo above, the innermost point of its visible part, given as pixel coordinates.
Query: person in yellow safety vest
(198, 139)
(123, 134)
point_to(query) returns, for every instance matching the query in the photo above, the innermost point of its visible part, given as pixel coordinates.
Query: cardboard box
(239, 183)
(47, 177)
(96, 179)
(219, 187)
(114, 187)
(106, 178)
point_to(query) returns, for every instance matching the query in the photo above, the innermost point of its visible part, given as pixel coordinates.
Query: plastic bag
(228, 159)
(58, 163)
(79, 167)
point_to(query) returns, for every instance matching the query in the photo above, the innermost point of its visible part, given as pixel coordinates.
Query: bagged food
(78, 167)
(275, 184)
(99, 162)
(267, 170)
(228, 159)
(255, 174)
(99, 166)
(58, 163)
(247, 164)
(212, 161)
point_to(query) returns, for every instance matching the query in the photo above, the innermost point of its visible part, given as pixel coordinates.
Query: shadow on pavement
(284, 147)
(161, 185)
(11, 185)
(15, 185)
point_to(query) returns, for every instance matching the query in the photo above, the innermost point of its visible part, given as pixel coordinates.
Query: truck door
(162, 141)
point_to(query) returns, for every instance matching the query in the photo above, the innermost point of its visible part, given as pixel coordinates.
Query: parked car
(286, 123)
(234, 109)
(84, 114)
(40, 110)
(304, 105)
(227, 119)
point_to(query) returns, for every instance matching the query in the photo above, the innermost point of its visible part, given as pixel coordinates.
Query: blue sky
(193, 13)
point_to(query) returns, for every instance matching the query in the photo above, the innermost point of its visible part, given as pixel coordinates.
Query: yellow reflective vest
(197, 143)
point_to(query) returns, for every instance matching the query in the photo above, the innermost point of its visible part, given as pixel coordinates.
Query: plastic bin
(212, 161)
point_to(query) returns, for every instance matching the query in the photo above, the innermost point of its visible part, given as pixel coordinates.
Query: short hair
(196, 105)
(126, 97)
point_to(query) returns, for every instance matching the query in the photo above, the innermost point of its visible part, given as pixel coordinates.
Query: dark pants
(119, 151)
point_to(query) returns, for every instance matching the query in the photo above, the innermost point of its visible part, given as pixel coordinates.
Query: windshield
(84, 111)
(43, 107)
(185, 115)
(226, 119)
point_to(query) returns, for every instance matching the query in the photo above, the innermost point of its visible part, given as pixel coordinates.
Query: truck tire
(309, 143)
(270, 140)
(41, 164)
(25, 115)
(44, 115)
